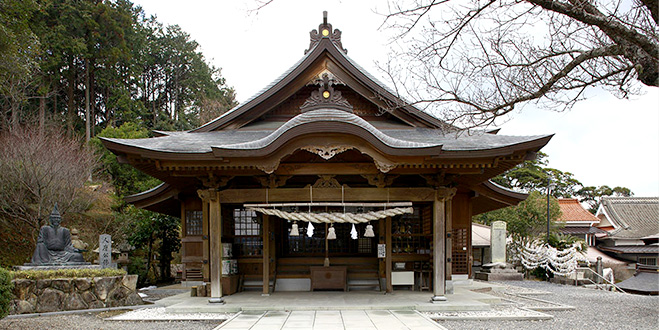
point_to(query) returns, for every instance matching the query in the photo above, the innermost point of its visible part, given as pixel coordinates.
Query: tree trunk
(149, 258)
(70, 104)
(42, 113)
(92, 98)
(87, 122)
(15, 106)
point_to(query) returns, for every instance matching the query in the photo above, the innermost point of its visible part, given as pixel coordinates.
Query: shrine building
(326, 180)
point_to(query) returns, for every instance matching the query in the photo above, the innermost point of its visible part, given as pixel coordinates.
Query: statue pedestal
(76, 265)
(498, 271)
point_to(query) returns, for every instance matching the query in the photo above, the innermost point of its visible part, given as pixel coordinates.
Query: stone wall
(51, 295)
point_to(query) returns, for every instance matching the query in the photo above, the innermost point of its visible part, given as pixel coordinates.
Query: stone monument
(54, 248)
(498, 269)
(105, 251)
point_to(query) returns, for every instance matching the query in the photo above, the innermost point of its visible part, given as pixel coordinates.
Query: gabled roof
(255, 137)
(340, 65)
(632, 217)
(573, 214)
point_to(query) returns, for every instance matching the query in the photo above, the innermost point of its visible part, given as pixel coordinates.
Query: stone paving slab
(334, 320)
(462, 300)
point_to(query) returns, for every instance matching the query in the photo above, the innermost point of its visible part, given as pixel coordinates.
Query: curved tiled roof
(326, 121)
(330, 116)
(634, 217)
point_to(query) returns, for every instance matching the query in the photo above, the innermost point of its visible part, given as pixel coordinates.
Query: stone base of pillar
(437, 299)
(449, 287)
(216, 300)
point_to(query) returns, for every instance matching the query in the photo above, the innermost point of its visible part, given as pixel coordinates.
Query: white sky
(602, 140)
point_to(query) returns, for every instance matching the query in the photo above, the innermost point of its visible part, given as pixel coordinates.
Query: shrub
(66, 273)
(6, 294)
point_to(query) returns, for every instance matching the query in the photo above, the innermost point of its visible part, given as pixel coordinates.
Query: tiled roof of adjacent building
(632, 248)
(633, 217)
(480, 235)
(572, 210)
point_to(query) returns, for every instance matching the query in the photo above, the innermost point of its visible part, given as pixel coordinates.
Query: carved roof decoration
(326, 97)
(325, 31)
(335, 80)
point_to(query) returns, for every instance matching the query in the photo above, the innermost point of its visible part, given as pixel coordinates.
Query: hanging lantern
(353, 232)
(330, 233)
(294, 229)
(310, 230)
(369, 231)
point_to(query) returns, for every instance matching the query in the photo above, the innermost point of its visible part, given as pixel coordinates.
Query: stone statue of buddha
(54, 244)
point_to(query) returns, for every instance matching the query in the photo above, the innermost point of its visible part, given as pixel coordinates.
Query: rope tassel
(369, 231)
(331, 234)
(294, 229)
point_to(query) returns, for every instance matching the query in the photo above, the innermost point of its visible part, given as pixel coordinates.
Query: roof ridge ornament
(326, 97)
(325, 31)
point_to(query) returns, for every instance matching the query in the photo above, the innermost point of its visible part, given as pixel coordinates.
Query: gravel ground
(95, 321)
(594, 309)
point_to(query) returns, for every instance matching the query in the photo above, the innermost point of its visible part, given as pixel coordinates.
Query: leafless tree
(474, 61)
(38, 170)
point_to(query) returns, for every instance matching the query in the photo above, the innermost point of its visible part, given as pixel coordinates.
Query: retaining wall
(52, 295)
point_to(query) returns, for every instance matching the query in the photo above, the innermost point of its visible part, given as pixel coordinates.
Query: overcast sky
(603, 140)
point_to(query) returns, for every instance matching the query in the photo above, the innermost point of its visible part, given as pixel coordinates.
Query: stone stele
(498, 241)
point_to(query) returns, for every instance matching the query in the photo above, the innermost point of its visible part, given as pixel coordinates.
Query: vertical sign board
(382, 251)
(105, 251)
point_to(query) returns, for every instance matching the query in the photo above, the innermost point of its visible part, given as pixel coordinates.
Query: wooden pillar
(266, 255)
(390, 287)
(205, 245)
(439, 253)
(448, 220)
(215, 236)
(441, 217)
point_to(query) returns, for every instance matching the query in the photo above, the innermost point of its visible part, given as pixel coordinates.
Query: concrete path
(334, 320)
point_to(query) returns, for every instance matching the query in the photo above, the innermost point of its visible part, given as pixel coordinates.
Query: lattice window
(247, 237)
(365, 245)
(460, 258)
(410, 234)
(193, 223)
(315, 245)
(647, 261)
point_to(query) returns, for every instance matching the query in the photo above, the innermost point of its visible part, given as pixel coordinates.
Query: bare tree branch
(471, 62)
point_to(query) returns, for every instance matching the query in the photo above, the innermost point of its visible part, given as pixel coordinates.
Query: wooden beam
(327, 195)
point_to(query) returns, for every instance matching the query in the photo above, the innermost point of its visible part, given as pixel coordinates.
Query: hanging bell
(369, 231)
(353, 232)
(310, 230)
(294, 229)
(330, 233)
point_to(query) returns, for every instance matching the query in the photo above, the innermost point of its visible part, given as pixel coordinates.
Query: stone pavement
(335, 320)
